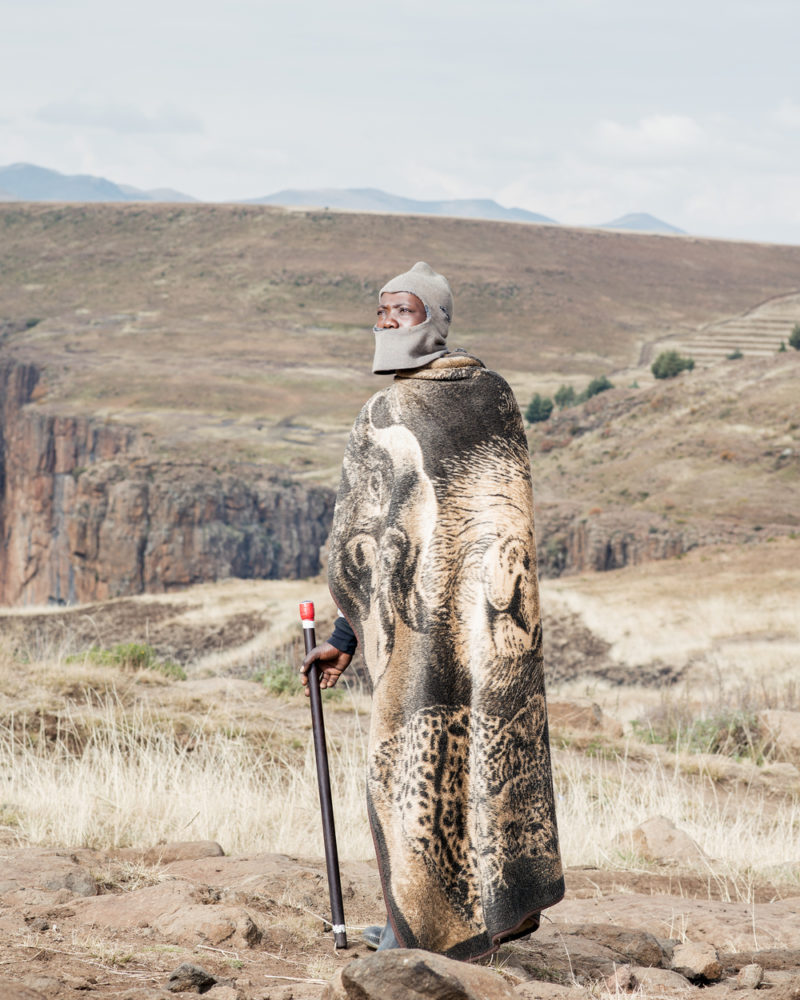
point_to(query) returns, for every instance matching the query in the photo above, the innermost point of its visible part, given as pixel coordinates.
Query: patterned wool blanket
(433, 562)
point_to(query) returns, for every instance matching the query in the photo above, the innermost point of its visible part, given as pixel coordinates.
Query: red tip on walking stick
(307, 611)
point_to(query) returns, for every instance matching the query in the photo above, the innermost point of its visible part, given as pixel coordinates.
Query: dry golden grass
(132, 783)
(744, 840)
(727, 617)
(98, 757)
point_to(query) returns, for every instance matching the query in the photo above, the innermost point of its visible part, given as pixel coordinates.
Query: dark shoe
(388, 940)
(371, 936)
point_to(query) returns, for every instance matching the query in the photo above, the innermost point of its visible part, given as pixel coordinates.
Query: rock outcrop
(698, 962)
(572, 542)
(87, 514)
(189, 978)
(411, 974)
(659, 840)
(90, 510)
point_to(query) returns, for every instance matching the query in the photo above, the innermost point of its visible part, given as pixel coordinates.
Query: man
(433, 566)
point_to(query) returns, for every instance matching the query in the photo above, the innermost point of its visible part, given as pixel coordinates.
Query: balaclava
(410, 347)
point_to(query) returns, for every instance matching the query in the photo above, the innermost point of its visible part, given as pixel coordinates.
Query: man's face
(400, 309)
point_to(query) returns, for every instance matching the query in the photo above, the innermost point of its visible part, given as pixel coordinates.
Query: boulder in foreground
(750, 977)
(189, 978)
(412, 974)
(698, 962)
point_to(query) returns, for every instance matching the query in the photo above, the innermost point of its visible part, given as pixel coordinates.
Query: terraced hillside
(756, 333)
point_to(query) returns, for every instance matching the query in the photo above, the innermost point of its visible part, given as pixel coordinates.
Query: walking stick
(324, 782)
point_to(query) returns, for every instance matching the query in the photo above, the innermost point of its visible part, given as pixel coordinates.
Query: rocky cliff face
(573, 543)
(86, 514)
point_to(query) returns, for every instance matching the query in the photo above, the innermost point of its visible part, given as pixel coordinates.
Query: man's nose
(388, 322)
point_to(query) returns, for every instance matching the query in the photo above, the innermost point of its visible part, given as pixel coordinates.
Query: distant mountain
(27, 182)
(642, 222)
(156, 194)
(375, 200)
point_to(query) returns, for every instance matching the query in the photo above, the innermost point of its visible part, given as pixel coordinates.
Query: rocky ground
(128, 923)
(185, 918)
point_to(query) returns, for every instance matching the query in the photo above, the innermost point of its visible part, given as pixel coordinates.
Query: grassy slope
(248, 327)
(720, 443)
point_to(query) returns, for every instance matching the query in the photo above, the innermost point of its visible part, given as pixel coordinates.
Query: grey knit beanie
(410, 347)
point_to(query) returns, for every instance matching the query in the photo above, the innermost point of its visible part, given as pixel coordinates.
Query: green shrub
(669, 364)
(281, 678)
(131, 656)
(565, 396)
(794, 337)
(734, 355)
(539, 409)
(599, 384)
(782, 348)
(732, 733)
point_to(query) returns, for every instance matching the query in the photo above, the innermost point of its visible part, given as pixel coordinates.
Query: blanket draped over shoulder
(433, 562)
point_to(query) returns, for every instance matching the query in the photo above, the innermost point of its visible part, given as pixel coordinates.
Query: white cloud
(427, 181)
(121, 118)
(746, 203)
(656, 137)
(786, 116)
(579, 190)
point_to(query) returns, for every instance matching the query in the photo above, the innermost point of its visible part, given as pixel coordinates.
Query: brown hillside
(233, 319)
(640, 473)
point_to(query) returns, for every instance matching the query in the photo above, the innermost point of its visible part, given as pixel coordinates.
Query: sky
(578, 109)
